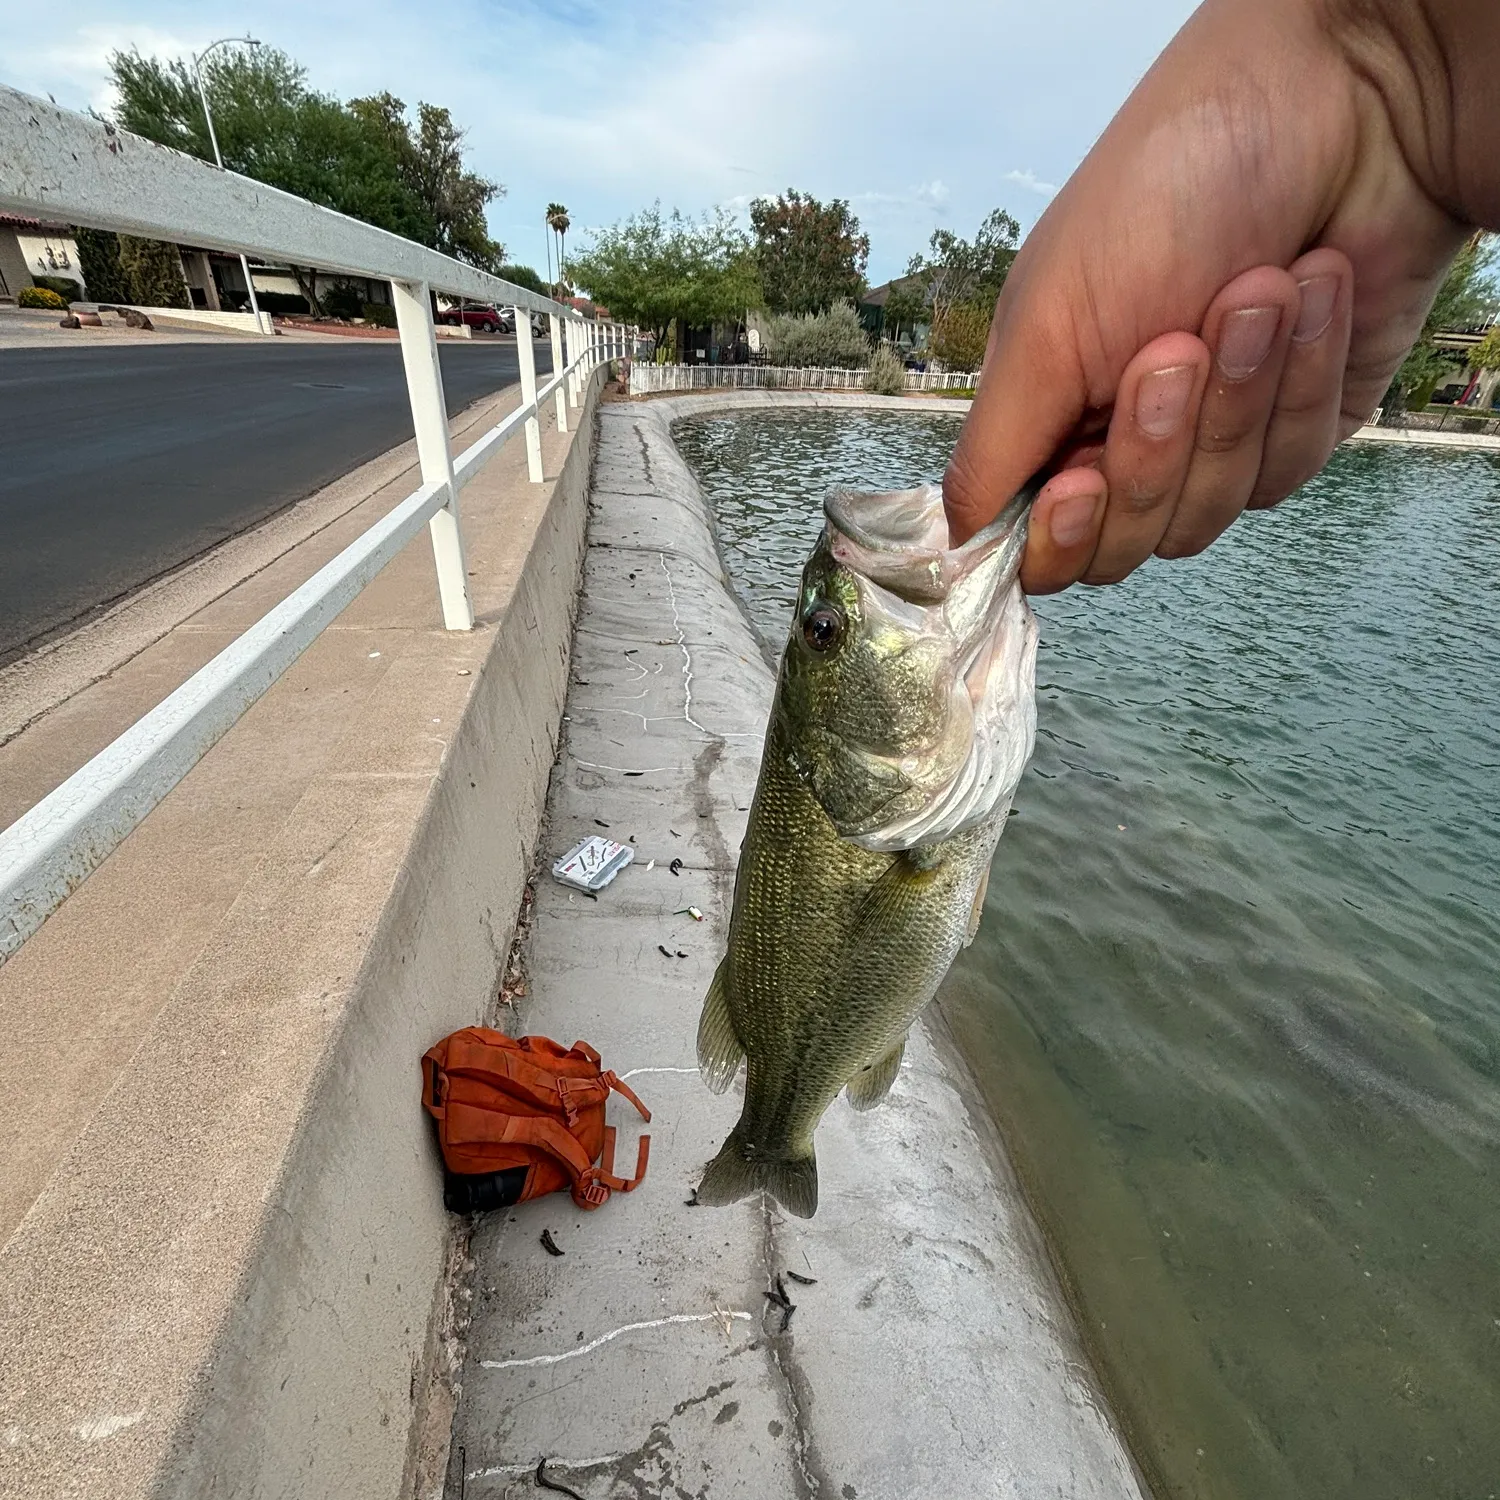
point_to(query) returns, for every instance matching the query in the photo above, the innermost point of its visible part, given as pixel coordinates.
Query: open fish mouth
(896, 546)
(900, 540)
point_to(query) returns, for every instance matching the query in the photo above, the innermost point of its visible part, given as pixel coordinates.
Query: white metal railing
(649, 379)
(63, 166)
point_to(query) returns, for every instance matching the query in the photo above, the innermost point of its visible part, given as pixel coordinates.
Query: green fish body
(903, 717)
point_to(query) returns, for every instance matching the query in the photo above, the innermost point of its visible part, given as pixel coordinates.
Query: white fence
(62, 166)
(1471, 419)
(649, 379)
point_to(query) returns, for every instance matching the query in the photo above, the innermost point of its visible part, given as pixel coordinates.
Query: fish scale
(882, 721)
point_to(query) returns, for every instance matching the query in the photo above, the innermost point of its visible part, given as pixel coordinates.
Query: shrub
(381, 314)
(41, 296)
(99, 260)
(834, 340)
(959, 337)
(343, 300)
(64, 286)
(886, 375)
(153, 272)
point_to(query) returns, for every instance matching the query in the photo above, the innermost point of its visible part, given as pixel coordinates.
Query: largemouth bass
(904, 716)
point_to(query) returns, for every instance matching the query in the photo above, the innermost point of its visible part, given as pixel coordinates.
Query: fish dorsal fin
(720, 1050)
(870, 1085)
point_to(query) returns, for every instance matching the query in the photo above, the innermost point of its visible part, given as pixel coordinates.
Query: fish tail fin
(739, 1170)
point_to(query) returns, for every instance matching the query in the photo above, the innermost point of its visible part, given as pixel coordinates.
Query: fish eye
(822, 628)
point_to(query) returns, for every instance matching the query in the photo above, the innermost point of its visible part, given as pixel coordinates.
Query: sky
(918, 115)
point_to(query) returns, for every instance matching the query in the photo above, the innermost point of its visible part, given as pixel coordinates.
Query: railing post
(570, 332)
(424, 387)
(554, 324)
(526, 358)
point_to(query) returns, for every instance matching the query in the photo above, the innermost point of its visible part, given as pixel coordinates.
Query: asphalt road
(117, 465)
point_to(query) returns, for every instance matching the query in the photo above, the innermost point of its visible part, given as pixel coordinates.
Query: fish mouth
(900, 539)
(896, 545)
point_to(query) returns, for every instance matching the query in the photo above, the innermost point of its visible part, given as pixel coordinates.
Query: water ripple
(1245, 1047)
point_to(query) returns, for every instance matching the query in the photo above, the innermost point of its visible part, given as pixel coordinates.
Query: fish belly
(833, 952)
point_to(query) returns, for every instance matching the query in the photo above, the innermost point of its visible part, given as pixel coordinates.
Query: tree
(960, 333)
(525, 276)
(811, 255)
(905, 307)
(1461, 300)
(650, 270)
(559, 222)
(362, 159)
(452, 197)
(956, 270)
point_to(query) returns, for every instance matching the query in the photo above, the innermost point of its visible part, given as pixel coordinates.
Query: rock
(87, 320)
(71, 321)
(134, 319)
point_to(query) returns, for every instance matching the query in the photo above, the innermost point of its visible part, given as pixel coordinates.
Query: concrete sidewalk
(935, 1356)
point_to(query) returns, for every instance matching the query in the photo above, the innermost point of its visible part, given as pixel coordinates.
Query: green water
(1236, 998)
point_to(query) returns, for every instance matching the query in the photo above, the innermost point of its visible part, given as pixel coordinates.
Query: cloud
(609, 106)
(1028, 179)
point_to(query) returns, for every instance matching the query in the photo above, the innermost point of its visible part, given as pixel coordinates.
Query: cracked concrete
(935, 1355)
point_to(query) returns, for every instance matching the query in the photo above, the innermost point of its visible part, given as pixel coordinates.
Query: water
(1235, 999)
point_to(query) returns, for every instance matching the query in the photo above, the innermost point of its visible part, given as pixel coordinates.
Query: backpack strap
(626, 1092)
(510, 1067)
(606, 1169)
(591, 1185)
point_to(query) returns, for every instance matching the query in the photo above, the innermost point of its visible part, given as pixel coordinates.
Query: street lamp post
(214, 140)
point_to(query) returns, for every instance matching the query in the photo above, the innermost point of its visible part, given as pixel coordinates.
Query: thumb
(1032, 396)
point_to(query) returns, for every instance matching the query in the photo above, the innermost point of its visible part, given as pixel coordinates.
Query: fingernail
(1318, 297)
(1161, 399)
(1245, 338)
(1070, 520)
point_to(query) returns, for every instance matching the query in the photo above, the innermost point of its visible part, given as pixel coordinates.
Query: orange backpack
(521, 1117)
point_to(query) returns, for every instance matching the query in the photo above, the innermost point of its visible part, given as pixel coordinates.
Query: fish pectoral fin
(978, 912)
(907, 879)
(720, 1050)
(870, 1085)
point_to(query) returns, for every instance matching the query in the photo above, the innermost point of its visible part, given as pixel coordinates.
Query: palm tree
(558, 221)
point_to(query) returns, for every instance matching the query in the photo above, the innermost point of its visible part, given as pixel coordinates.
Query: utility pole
(224, 41)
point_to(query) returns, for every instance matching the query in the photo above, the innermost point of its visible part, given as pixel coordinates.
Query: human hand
(1226, 286)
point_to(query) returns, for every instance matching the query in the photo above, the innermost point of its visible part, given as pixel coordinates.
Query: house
(872, 313)
(32, 251)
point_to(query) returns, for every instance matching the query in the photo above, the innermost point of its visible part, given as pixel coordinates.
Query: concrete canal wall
(935, 1355)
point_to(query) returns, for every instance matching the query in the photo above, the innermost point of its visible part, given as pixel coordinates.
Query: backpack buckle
(589, 1192)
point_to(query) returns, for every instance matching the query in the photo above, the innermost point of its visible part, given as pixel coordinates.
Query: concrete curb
(935, 1356)
(1425, 437)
